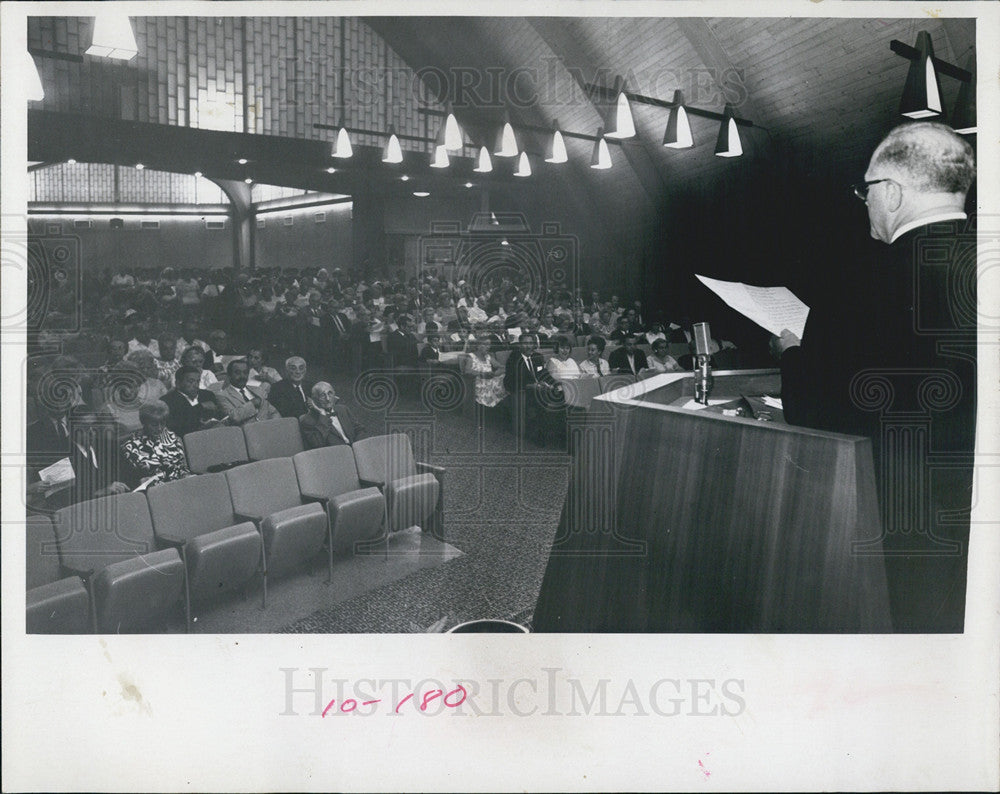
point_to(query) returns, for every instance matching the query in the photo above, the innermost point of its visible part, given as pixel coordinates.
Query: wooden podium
(681, 520)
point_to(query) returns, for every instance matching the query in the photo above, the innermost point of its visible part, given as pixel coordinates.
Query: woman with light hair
(155, 452)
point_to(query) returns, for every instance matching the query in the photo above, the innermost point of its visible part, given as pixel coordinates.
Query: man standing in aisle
(894, 360)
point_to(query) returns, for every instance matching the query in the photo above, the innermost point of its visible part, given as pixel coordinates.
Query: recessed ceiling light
(405, 178)
(331, 170)
(71, 161)
(243, 161)
(139, 166)
(421, 193)
(469, 184)
(197, 174)
(248, 180)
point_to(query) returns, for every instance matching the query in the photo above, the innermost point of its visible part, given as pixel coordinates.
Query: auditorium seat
(109, 542)
(414, 492)
(215, 449)
(267, 493)
(54, 604)
(330, 475)
(273, 438)
(195, 515)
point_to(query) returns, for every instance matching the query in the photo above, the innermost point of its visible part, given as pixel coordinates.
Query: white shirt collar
(191, 401)
(938, 218)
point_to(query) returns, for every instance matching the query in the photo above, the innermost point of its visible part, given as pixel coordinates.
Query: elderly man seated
(327, 423)
(240, 401)
(288, 395)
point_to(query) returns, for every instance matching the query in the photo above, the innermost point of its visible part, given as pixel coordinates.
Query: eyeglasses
(861, 188)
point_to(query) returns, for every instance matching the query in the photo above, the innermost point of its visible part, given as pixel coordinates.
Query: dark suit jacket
(618, 361)
(897, 349)
(429, 354)
(286, 398)
(517, 375)
(186, 418)
(403, 349)
(44, 445)
(317, 429)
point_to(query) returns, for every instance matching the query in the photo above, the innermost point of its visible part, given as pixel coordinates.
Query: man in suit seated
(191, 408)
(402, 344)
(240, 401)
(288, 395)
(528, 380)
(431, 353)
(628, 359)
(326, 423)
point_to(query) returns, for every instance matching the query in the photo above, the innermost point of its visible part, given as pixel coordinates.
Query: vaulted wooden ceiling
(827, 88)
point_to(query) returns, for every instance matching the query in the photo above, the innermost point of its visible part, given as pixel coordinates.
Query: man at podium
(895, 361)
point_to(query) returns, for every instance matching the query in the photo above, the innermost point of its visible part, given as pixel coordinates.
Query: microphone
(703, 363)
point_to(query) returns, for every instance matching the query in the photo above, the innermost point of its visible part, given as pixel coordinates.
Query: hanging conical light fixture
(728, 144)
(922, 94)
(621, 124)
(506, 141)
(600, 158)
(678, 133)
(34, 82)
(484, 163)
(963, 120)
(342, 148)
(523, 166)
(452, 132)
(555, 150)
(113, 37)
(392, 153)
(440, 157)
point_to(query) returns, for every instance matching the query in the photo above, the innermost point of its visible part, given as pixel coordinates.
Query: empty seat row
(140, 554)
(222, 447)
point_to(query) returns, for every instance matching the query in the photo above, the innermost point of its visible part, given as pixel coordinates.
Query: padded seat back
(382, 459)
(327, 471)
(273, 438)
(265, 487)
(94, 534)
(191, 507)
(41, 555)
(215, 447)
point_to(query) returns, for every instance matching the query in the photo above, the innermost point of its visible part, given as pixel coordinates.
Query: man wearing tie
(241, 402)
(527, 379)
(327, 424)
(288, 395)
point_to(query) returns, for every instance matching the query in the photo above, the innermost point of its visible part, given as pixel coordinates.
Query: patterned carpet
(502, 506)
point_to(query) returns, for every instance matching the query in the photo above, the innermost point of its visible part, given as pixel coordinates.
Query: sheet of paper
(772, 308)
(59, 472)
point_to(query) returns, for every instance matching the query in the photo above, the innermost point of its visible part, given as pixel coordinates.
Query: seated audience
(659, 361)
(190, 407)
(628, 359)
(562, 365)
(155, 452)
(328, 423)
(480, 362)
(288, 395)
(402, 344)
(260, 374)
(194, 357)
(167, 363)
(431, 353)
(94, 455)
(240, 401)
(595, 366)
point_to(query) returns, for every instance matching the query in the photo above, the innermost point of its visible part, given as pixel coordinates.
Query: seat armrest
(437, 471)
(171, 541)
(380, 484)
(241, 517)
(314, 497)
